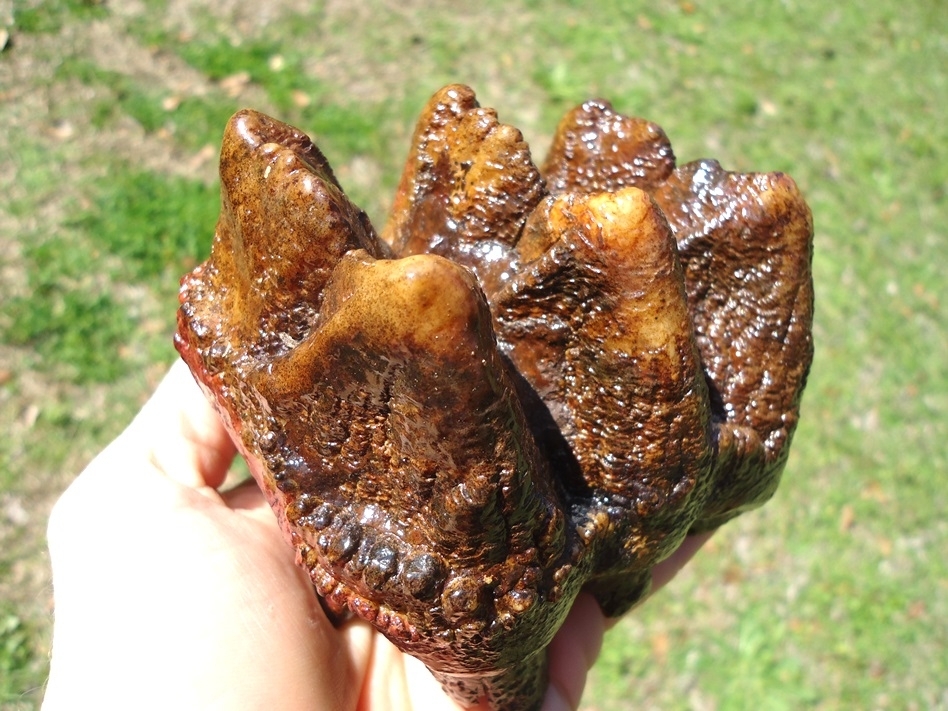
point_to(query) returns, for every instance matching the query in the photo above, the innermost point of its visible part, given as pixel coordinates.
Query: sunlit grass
(835, 595)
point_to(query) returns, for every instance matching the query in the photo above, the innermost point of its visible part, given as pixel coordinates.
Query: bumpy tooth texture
(468, 188)
(746, 242)
(597, 150)
(596, 321)
(515, 394)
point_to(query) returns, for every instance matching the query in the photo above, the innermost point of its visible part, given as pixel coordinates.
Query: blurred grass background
(833, 596)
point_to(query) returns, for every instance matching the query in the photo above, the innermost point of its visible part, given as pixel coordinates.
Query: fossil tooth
(746, 242)
(597, 150)
(468, 188)
(526, 386)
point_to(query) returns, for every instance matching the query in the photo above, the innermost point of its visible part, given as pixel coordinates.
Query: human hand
(171, 593)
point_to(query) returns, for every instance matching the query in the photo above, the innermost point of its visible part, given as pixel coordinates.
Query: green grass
(194, 121)
(835, 595)
(141, 227)
(157, 226)
(18, 656)
(49, 16)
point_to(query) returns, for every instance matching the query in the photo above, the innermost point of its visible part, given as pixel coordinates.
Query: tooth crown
(525, 386)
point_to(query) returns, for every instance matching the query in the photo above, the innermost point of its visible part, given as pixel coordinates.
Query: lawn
(833, 596)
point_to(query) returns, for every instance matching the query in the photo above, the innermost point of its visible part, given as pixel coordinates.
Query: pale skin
(173, 594)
